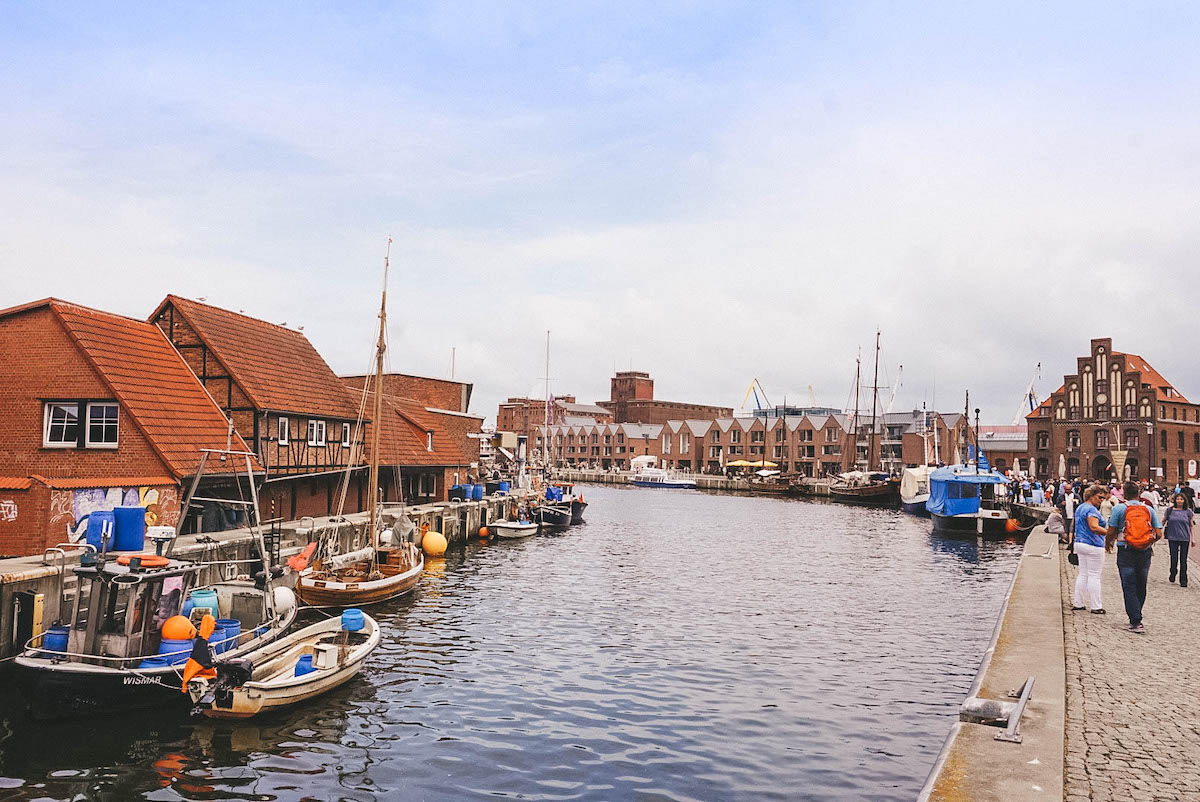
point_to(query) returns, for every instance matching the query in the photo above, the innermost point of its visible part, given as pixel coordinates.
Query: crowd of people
(1129, 518)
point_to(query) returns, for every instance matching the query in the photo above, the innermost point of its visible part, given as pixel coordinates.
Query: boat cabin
(954, 491)
(119, 611)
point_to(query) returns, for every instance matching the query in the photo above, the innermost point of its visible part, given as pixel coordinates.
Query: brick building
(1115, 408)
(101, 411)
(631, 400)
(523, 415)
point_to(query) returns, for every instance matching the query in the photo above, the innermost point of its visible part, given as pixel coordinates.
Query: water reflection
(679, 645)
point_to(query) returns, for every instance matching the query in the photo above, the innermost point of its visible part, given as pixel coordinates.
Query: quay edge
(704, 481)
(1027, 641)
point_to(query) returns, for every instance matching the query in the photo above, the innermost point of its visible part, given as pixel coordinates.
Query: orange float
(148, 560)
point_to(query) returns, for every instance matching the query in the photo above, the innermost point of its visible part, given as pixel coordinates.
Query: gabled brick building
(1115, 405)
(101, 411)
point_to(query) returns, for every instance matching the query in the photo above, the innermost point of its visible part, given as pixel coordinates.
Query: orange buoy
(1011, 525)
(148, 560)
(177, 627)
(483, 531)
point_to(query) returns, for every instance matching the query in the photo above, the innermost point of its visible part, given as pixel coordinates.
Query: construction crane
(760, 402)
(895, 387)
(1030, 398)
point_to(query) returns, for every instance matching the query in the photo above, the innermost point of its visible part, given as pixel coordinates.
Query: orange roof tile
(276, 367)
(1150, 376)
(15, 483)
(60, 483)
(152, 383)
(402, 438)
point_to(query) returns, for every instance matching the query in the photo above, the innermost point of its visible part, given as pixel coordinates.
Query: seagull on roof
(284, 323)
(299, 328)
(202, 298)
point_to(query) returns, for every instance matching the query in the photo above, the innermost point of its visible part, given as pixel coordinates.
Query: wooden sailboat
(378, 572)
(876, 488)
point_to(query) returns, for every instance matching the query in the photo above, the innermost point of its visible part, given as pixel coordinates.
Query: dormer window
(429, 441)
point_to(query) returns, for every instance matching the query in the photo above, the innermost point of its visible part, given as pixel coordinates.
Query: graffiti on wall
(72, 508)
(8, 510)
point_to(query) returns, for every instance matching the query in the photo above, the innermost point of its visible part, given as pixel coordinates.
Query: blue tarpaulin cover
(954, 490)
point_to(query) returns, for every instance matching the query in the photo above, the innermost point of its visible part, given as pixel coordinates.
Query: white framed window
(285, 430)
(60, 424)
(429, 441)
(316, 432)
(102, 419)
(426, 484)
(347, 431)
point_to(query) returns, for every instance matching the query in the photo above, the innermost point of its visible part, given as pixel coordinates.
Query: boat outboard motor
(260, 577)
(230, 674)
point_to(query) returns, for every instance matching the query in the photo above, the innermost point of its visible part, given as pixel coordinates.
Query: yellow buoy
(434, 544)
(483, 531)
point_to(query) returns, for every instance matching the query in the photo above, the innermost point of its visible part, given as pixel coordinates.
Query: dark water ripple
(680, 646)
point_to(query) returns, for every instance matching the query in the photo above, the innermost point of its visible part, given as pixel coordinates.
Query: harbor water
(679, 645)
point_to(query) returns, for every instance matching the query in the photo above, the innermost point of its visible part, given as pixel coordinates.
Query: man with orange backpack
(1135, 528)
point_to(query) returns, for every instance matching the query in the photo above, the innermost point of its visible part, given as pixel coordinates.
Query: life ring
(148, 560)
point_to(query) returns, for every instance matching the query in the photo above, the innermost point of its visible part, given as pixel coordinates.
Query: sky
(711, 192)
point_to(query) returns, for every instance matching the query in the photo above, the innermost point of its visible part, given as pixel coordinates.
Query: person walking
(1090, 546)
(1135, 528)
(1178, 525)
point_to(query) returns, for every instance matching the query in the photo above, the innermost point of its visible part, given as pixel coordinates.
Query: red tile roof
(60, 483)
(402, 440)
(15, 483)
(151, 382)
(1150, 376)
(278, 368)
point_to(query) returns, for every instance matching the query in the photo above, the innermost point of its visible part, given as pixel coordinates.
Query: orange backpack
(1139, 526)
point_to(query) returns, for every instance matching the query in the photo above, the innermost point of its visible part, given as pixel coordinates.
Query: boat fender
(285, 600)
(434, 544)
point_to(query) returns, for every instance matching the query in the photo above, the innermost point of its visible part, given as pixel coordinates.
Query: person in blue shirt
(1133, 564)
(1178, 526)
(1090, 532)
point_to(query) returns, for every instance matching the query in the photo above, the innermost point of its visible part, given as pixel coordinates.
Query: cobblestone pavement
(1133, 701)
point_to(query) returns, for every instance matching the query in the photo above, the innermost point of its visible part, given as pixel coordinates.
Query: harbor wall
(809, 487)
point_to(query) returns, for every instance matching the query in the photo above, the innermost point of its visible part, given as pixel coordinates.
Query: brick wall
(23, 516)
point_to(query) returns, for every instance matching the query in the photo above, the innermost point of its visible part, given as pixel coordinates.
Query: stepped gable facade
(1115, 408)
(102, 412)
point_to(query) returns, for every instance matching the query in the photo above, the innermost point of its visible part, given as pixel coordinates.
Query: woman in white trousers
(1090, 533)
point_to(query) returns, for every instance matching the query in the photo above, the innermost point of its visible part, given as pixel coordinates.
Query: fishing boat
(384, 569)
(513, 529)
(660, 477)
(554, 513)
(963, 499)
(122, 647)
(914, 490)
(293, 669)
(578, 505)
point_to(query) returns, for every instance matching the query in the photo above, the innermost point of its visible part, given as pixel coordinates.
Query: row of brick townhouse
(106, 410)
(1115, 407)
(818, 445)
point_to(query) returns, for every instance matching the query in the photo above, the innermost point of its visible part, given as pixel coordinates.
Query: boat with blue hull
(964, 499)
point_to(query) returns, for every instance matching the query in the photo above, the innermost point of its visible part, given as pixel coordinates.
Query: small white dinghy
(513, 529)
(293, 669)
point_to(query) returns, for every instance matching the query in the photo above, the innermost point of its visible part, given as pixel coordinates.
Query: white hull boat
(269, 678)
(513, 529)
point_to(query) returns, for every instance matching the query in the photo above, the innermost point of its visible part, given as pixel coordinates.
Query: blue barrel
(204, 597)
(477, 492)
(215, 640)
(233, 630)
(504, 488)
(304, 665)
(456, 493)
(131, 528)
(167, 647)
(188, 604)
(55, 639)
(95, 525)
(468, 492)
(158, 661)
(352, 620)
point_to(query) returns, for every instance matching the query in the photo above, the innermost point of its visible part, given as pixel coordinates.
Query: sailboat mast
(377, 413)
(874, 406)
(857, 384)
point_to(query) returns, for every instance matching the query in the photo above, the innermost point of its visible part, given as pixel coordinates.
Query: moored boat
(513, 529)
(660, 477)
(914, 490)
(862, 487)
(963, 499)
(578, 505)
(555, 514)
(293, 669)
